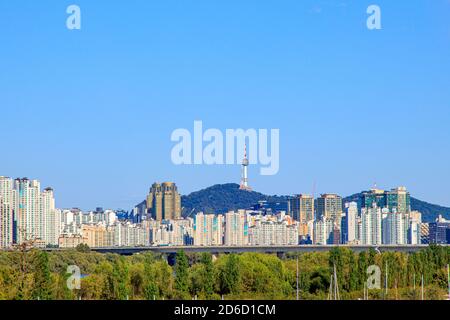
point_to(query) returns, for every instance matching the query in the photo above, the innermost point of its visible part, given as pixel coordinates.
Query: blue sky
(90, 112)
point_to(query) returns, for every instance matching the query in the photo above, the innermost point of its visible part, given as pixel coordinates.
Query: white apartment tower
(270, 233)
(208, 229)
(6, 212)
(415, 224)
(236, 228)
(35, 214)
(371, 226)
(351, 211)
(395, 228)
(323, 230)
(51, 217)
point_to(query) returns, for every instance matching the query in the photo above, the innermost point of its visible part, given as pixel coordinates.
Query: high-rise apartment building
(171, 232)
(236, 228)
(6, 212)
(371, 226)
(323, 231)
(395, 227)
(27, 213)
(415, 226)
(273, 233)
(51, 216)
(350, 223)
(164, 201)
(301, 208)
(208, 229)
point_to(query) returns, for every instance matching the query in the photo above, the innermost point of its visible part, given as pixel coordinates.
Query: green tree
(231, 276)
(353, 276)
(362, 268)
(208, 274)
(82, 247)
(319, 281)
(42, 278)
(121, 279)
(136, 271)
(181, 274)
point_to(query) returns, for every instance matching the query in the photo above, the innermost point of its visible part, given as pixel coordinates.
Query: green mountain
(221, 198)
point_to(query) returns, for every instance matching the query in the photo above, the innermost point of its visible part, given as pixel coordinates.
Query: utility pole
(448, 280)
(297, 277)
(386, 282)
(422, 286)
(330, 292)
(336, 288)
(364, 293)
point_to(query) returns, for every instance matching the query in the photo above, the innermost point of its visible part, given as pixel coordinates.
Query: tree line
(36, 274)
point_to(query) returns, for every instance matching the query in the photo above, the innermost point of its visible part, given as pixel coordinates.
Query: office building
(301, 208)
(330, 206)
(395, 200)
(439, 231)
(424, 233)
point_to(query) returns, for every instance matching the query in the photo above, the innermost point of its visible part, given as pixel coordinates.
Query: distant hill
(221, 198)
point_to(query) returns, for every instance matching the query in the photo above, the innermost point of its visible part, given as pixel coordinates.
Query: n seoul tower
(244, 178)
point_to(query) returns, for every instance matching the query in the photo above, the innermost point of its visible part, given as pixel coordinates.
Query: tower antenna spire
(244, 178)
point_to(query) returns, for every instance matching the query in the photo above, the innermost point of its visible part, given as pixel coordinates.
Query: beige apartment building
(164, 202)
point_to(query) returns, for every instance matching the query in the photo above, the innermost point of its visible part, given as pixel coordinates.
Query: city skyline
(145, 195)
(91, 111)
(377, 219)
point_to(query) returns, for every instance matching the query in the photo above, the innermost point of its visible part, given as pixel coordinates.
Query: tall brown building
(164, 201)
(301, 208)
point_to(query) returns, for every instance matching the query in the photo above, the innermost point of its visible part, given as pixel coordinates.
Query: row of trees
(37, 274)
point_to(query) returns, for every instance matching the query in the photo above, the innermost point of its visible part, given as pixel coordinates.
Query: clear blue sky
(90, 112)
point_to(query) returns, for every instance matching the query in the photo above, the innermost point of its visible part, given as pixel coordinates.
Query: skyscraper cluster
(27, 213)
(381, 217)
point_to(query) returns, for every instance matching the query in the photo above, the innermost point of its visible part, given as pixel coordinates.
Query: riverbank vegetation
(43, 275)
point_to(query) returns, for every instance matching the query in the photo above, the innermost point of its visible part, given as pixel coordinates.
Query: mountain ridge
(221, 198)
